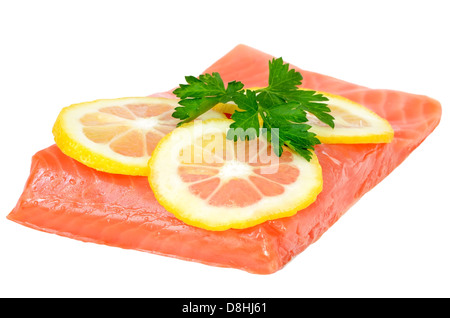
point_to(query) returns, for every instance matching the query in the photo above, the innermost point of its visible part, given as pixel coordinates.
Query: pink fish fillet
(65, 197)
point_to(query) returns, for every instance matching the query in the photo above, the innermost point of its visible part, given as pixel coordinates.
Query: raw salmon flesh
(64, 197)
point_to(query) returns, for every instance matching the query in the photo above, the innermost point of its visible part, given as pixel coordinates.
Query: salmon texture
(65, 197)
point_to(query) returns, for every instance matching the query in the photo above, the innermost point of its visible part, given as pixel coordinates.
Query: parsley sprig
(282, 106)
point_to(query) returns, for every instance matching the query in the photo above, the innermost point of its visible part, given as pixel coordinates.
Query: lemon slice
(354, 123)
(214, 183)
(117, 135)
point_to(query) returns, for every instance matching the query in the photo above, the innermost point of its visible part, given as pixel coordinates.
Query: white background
(393, 243)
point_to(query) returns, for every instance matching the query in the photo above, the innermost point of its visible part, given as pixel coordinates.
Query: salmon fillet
(64, 197)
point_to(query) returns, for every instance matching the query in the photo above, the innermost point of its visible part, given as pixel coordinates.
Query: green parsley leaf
(313, 102)
(246, 122)
(281, 105)
(201, 94)
(282, 83)
(286, 125)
